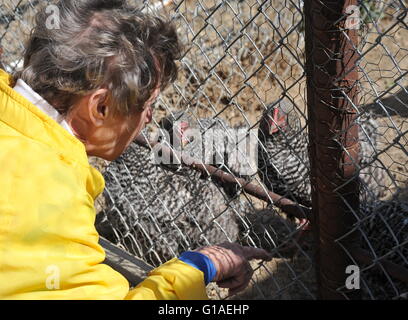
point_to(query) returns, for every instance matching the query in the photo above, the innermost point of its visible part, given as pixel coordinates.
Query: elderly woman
(87, 89)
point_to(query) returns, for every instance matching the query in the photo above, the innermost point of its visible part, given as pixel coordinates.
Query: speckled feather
(385, 228)
(157, 214)
(213, 146)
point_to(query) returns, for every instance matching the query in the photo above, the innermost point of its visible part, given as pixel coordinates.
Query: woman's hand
(232, 263)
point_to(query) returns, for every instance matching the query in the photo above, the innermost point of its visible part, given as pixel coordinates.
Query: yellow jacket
(48, 243)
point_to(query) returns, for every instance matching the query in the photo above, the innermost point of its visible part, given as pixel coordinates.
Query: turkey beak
(277, 122)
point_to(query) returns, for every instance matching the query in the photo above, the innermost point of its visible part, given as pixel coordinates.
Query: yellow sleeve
(49, 245)
(174, 280)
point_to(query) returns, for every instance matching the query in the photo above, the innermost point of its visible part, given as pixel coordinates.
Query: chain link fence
(239, 110)
(370, 91)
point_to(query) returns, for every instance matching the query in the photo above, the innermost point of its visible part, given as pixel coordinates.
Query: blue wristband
(201, 262)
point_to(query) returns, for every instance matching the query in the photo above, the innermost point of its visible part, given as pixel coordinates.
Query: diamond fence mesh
(242, 147)
(356, 67)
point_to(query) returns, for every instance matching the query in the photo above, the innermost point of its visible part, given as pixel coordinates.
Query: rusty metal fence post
(332, 89)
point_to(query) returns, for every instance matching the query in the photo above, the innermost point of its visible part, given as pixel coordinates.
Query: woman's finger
(256, 253)
(235, 290)
(241, 279)
(237, 279)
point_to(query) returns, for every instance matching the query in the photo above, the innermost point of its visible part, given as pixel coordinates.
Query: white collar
(27, 92)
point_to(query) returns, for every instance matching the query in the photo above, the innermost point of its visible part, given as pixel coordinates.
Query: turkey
(283, 160)
(157, 214)
(214, 142)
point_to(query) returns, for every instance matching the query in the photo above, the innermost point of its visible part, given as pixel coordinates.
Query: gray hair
(100, 44)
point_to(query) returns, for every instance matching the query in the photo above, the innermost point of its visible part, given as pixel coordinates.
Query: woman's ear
(99, 111)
